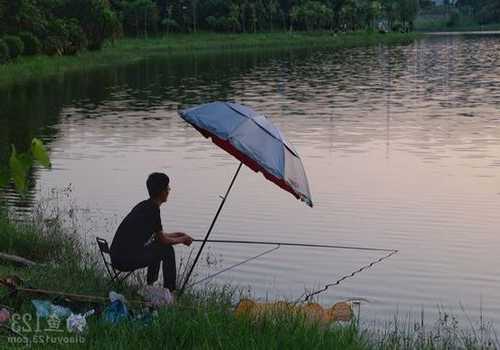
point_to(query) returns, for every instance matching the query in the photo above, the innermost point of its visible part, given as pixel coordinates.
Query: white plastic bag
(157, 296)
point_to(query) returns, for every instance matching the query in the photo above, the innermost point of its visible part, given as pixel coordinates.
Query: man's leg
(166, 255)
(153, 271)
(151, 256)
(169, 269)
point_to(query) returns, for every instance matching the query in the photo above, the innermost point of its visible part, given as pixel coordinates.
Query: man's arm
(173, 238)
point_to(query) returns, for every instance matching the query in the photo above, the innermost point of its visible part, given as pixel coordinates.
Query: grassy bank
(132, 50)
(204, 320)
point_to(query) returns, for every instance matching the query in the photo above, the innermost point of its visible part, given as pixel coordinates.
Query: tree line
(483, 11)
(250, 16)
(64, 27)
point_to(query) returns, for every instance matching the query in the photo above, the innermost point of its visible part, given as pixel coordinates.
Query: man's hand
(186, 239)
(176, 238)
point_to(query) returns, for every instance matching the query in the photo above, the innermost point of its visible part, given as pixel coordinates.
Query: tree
(194, 7)
(98, 21)
(488, 12)
(425, 4)
(407, 10)
(312, 15)
(140, 16)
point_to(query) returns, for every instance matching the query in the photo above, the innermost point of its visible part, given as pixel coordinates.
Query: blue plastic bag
(45, 308)
(116, 312)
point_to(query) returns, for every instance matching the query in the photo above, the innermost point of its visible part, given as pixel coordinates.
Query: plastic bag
(116, 296)
(4, 315)
(77, 323)
(45, 308)
(116, 312)
(157, 296)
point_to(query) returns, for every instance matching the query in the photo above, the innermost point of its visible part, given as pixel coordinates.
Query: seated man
(140, 240)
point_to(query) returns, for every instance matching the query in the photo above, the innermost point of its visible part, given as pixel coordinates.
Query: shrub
(4, 52)
(96, 18)
(76, 38)
(53, 45)
(57, 38)
(454, 20)
(32, 45)
(170, 24)
(15, 44)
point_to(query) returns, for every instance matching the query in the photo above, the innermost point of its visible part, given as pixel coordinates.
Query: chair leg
(121, 279)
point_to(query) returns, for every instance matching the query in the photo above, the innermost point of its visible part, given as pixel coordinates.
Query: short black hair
(156, 183)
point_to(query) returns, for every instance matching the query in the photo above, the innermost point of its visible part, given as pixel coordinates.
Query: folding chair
(115, 275)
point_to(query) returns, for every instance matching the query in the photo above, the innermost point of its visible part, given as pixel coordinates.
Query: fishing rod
(297, 245)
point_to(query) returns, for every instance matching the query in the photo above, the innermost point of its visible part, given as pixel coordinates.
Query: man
(140, 241)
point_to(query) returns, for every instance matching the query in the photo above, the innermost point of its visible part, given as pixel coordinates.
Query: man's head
(158, 187)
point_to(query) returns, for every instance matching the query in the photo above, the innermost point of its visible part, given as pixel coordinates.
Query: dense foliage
(32, 45)
(67, 26)
(145, 16)
(483, 11)
(60, 26)
(4, 52)
(15, 45)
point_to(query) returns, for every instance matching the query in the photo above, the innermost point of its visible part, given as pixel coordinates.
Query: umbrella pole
(186, 280)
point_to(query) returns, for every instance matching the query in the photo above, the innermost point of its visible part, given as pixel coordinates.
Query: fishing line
(235, 265)
(306, 296)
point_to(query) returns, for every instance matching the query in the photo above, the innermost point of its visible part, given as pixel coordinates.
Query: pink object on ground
(4, 315)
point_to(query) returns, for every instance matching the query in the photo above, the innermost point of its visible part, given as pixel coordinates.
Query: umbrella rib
(230, 139)
(260, 126)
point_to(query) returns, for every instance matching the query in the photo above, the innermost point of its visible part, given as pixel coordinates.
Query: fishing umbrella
(252, 139)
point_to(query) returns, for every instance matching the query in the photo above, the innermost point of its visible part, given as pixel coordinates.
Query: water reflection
(400, 144)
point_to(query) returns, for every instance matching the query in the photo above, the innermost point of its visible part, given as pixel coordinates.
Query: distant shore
(432, 27)
(125, 51)
(465, 32)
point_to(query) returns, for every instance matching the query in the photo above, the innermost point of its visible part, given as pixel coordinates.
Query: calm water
(401, 146)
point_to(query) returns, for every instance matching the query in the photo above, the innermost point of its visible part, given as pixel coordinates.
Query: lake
(401, 145)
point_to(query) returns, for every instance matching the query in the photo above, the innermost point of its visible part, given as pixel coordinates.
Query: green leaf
(18, 170)
(26, 161)
(40, 153)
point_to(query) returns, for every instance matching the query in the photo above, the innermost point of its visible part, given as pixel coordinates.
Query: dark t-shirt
(136, 229)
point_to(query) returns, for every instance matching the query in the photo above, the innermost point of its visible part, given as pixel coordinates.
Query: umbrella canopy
(255, 141)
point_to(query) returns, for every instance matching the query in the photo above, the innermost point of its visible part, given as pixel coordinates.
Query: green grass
(127, 51)
(33, 238)
(211, 326)
(204, 320)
